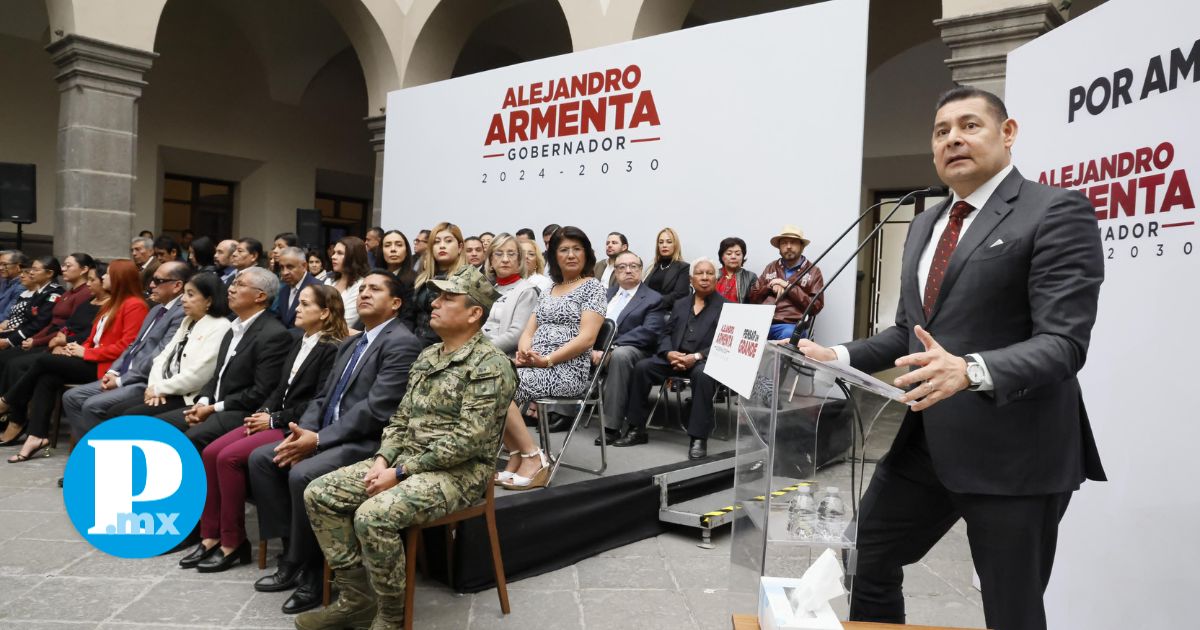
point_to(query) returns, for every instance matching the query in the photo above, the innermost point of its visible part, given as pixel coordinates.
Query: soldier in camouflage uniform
(437, 454)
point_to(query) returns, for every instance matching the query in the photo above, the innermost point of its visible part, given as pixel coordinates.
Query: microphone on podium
(908, 198)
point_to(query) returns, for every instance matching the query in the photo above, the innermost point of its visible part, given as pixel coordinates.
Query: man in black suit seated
(342, 425)
(248, 364)
(682, 352)
(293, 277)
(640, 323)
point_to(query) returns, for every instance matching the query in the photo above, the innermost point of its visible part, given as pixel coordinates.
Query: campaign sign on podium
(739, 344)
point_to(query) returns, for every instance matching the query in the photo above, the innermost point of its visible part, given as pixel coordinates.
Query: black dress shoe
(198, 555)
(285, 577)
(636, 436)
(307, 597)
(60, 479)
(610, 436)
(699, 449)
(558, 422)
(218, 561)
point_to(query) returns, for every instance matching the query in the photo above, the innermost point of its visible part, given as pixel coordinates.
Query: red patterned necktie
(945, 249)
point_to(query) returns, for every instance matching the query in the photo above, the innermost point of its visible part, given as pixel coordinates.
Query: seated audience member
(535, 266)
(11, 264)
(554, 353)
(669, 275)
(185, 240)
(349, 264)
(247, 366)
(146, 234)
(224, 260)
(73, 305)
(340, 426)
(373, 241)
(282, 240)
(141, 251)
(121, 313)
(30, 314)
(202, 254)
(637, 311)
(293, 277)
(419, 246)
(189, 358)
(547, 234)
(443, 258)
(86, 406)
(166, 249)
(613, 245)
(487, 238)
(682, 352)
(473, 252)
(247, 254)
(776, 277)
(436, 455)
(397, 257)
(316, 266)
(734, 281)
(319, 321)
(525, 234)
(510, 313)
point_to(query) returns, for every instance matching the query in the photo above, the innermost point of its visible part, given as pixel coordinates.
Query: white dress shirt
(238, 327)
(620, 301)
(306, 347)
(977, 199)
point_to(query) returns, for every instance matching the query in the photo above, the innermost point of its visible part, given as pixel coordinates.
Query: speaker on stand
(18, 195)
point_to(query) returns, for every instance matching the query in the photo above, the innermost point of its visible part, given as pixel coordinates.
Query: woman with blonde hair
(443, 257)
(504, 265)
(535, 265)
(668, 275)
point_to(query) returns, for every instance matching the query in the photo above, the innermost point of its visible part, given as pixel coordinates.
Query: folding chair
(591, 400)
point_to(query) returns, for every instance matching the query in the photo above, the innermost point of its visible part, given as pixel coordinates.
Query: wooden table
(750, 622)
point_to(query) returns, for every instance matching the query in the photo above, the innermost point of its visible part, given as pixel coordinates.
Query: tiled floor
(49, 578)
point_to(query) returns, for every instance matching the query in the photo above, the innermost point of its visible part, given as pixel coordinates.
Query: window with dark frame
(202, 205)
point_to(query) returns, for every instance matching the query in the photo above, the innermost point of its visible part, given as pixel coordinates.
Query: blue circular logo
(134, 487)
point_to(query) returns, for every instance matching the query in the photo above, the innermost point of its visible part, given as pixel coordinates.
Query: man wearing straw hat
(772, 285)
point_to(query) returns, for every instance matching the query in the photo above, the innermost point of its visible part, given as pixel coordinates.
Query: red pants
(224, 514)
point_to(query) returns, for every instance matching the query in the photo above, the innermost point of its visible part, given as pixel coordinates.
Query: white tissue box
(775, 611)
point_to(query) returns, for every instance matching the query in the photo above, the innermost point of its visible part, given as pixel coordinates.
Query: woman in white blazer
(188, 361)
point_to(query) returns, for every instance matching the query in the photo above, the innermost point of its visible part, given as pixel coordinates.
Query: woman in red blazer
(116, 327)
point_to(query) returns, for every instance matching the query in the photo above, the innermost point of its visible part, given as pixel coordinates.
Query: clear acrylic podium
(804, 423)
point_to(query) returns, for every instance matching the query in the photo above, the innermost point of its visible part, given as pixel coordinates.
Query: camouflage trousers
(355, 529)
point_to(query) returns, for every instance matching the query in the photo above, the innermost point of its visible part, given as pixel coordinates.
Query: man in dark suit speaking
(999, 287)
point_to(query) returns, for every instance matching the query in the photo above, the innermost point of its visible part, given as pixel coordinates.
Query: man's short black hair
(289, 238)
(550, 229)
(167, 244)
(395, 288)
(964, 92)
(526, 232)
(624, 241)
(483, 234)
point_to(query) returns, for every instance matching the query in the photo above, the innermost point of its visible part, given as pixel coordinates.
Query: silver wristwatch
(974, 373)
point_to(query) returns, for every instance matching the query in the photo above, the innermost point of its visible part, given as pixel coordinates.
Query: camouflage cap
(470, 282)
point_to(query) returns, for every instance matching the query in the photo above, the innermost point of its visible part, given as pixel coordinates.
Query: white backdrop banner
(731, 129)
(1107, 105)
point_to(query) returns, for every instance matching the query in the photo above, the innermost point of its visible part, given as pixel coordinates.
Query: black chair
(589, 402)
(676, 384)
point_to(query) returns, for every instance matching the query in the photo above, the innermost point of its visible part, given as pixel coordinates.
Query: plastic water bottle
(802, 514)
(831, 515)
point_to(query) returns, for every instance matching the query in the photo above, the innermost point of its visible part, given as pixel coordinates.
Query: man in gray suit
(641, 321)
(999, 287)
(342, 425)
(86, 406)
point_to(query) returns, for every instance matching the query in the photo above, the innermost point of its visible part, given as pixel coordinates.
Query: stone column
(99, 86)
(377, 125)
(980, 42)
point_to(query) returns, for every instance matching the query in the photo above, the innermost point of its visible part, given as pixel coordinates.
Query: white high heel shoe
(539, 478)
(506, 475)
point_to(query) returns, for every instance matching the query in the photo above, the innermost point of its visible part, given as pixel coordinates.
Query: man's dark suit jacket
(283, 307)
(376, 386)
(1021, 291)
(704, 322)
(146, 349)
(642, 321)
(287, 402)
(253, 371)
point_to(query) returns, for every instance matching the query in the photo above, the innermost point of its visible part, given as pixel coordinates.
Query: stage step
(698, 496)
